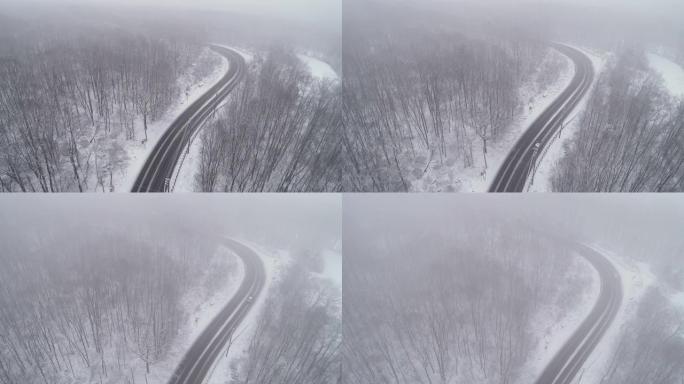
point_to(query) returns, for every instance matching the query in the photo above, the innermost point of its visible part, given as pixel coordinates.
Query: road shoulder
(137, 152)
(555, 150)
(534, 103)
(275, 263)
(554, 324)
(636, 279)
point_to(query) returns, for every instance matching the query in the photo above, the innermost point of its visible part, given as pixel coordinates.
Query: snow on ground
(184, 179)
(275, 262)
(556, 324)
(188, 165)
(636, 279)
(555, 151)
(201, 305)
(678, 300)
(476, 179)
(319, 69)
(672, 73)
(187, 168)
(332, 269)
(137, 152)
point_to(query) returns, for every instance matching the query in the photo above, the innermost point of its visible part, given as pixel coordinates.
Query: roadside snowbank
(556, 149)
(138, 152)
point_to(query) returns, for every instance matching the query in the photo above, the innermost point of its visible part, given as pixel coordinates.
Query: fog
(604, 23)
(651, 220)
(487, 289)
(307, 24)
(279, 220)
(307, 10)
(137, 279)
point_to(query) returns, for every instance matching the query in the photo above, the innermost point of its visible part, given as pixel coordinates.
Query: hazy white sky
(655, 6)
(300, 9)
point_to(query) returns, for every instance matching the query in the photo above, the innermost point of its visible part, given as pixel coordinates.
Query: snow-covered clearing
(555, 151)
(319, 69)
(636, 279)
(671, 72)
(555, 324)
(201, 305)
(136, 151)
(535, 98)
(275, 262)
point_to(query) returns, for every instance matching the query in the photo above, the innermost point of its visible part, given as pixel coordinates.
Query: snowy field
(137, 152)
(556, 149)
(671, 72)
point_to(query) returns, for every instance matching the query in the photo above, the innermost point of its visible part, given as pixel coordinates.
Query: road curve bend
(198, 361)
(567, 362)
(513, 173)
(157, 173)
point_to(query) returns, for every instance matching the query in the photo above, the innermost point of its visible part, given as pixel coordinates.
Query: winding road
(198, 361)
(567, 362)
(513, 174)
(157, 173)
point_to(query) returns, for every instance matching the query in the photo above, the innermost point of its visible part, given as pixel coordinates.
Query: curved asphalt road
(197, 362)
(514, 171)
(157, 173)
(568, 361)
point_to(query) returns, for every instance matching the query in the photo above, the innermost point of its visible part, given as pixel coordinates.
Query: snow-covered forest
(439, 299)
(630, 136)
(279, 131)
(298, 335)
(91, 301)
(650, 348)
(425, 98)
(437, 94)
(69, 105)
(116, 292)
(451, 289)
(86, 92)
